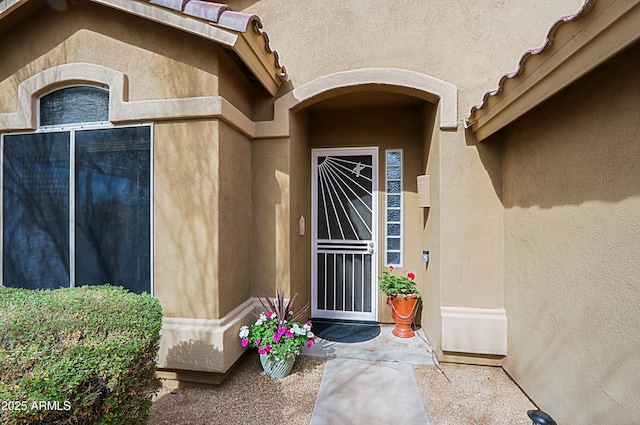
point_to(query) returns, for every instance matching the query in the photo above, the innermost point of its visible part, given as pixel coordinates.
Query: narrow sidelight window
(393, 208)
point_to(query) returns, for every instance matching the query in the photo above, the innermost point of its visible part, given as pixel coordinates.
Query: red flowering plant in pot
(403, 298)
(278, 334)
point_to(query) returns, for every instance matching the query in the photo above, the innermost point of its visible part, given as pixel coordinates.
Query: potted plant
(278, 335)
(403, 298)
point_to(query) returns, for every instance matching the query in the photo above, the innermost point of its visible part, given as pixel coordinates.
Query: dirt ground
(474, 395)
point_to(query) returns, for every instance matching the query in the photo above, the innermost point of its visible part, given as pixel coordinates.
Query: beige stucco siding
(471, 227)
(187, 217)
(160, 63)
(300, 201)
(572, 248)
(203, 212)
(467, 43)
(235, 224)
(270, 216)
(431, 319)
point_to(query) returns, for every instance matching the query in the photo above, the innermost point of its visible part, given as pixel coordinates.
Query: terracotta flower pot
(403, 311)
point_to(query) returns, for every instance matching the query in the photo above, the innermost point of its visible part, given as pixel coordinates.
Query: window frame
(72, 129)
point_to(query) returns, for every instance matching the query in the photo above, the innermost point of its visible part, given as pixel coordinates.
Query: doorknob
(370, 248)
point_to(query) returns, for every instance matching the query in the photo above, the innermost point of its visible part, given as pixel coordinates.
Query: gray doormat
(347, 332)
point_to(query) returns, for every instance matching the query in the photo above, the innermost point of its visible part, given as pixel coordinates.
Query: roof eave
(249, 47)
(577, 47)
(13, 11)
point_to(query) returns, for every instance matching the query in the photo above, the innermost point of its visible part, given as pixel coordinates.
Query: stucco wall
(160, 63)
(235, 212)
(187, 217)
(467, 43)
(300, 201)
(571, 191)
(431, 319)
(271, 216)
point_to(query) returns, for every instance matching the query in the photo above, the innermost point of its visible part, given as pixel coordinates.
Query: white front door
(344, 221)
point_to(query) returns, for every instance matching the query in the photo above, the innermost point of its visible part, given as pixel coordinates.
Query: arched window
(74, 105)
(76, 204)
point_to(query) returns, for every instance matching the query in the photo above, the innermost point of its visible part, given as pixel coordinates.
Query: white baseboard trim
(204, 345)
(474, 330)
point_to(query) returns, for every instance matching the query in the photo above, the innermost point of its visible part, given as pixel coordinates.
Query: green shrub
(77, 356)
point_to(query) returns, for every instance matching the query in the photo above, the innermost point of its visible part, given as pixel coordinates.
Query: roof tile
(170, 4)
(238, 21)
(222, 16)
(205, 10)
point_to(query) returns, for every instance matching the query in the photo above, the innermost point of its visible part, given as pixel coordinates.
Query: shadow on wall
(571, 273)
(579, 146)
(270, 186)
(192, 354)
(143, 35)
(608, 372)
(186, 219)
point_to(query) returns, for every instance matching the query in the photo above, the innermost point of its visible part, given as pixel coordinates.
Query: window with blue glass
(76, 204)
(393, 208)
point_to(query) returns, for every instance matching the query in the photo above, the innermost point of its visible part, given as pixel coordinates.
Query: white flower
(310, 334)
(261, 319)
(244, 331)
(296, 329)
(306, 326)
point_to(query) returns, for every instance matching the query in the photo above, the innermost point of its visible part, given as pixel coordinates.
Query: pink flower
(262, 351)
(411, 275)
(245, 342)
(258, 342)
(390, 267)
(276, 337)
(308, 324)
(282, 330)
(270, 315)
(267, 348)
(289, 334)
(309, 343)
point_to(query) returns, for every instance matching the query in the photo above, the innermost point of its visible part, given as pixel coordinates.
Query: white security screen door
(344, 234)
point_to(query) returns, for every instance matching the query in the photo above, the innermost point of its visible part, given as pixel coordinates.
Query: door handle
(370, 248)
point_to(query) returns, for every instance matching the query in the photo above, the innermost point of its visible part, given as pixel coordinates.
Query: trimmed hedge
(77, 356)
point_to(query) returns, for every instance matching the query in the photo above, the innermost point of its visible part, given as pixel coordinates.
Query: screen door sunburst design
(344, 188)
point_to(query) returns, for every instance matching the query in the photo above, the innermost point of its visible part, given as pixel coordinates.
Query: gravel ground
(475, 395)
(246, 397)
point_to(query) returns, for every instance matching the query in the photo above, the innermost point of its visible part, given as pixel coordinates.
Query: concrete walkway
(371, 382)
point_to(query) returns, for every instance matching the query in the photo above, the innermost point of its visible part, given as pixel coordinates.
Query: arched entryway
(363, 136)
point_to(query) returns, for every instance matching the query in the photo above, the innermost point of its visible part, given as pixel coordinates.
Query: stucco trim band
(474, 330)
(204, 345)
(120, 110)
(395, 80)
